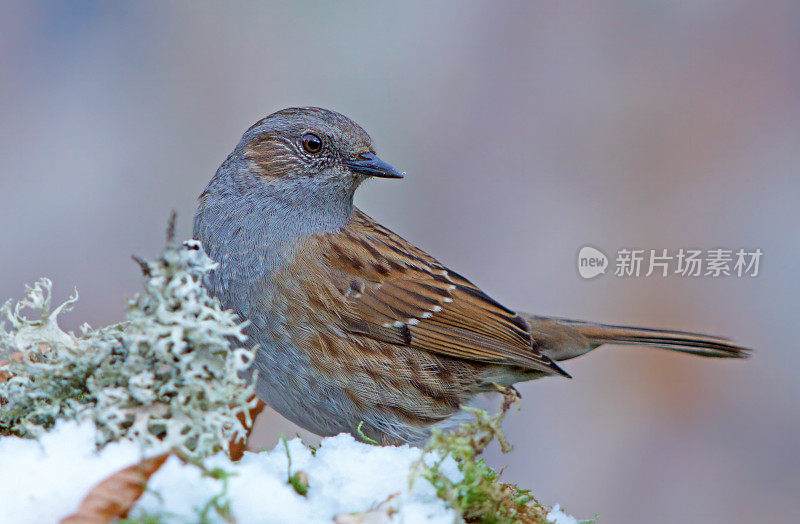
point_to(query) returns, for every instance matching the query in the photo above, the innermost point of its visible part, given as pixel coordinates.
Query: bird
(357, 330)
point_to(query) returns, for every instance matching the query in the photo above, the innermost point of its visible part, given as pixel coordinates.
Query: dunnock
(353, 323)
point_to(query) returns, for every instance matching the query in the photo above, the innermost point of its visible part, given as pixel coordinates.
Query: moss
(478, 495)
(218, 507)
(146, 518)
(299, 479)
(364, 437)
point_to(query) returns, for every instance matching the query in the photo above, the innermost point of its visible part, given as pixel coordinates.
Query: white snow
(557, 516)
(45, 480)
(345, 476)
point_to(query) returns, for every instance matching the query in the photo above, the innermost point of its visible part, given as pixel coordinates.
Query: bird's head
(312, 150)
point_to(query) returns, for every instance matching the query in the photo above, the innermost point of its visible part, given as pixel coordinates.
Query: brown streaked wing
(396, 293)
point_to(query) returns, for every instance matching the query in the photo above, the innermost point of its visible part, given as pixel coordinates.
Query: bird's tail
(562, 339)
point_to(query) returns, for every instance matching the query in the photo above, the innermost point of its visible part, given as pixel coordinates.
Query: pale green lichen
(167, 376)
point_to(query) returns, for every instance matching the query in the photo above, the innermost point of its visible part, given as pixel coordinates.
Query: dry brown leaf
(113, 497)
(237, 447)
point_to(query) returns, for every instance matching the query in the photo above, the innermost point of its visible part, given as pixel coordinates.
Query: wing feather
(396, 293)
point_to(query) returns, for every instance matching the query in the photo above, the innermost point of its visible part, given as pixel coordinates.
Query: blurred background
(527, 131)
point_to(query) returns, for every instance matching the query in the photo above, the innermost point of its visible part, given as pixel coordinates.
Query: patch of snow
(557, 516)
(345, 476)
(45, 480)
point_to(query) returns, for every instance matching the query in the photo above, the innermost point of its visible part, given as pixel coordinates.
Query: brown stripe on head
(273, 155)
(273, 143)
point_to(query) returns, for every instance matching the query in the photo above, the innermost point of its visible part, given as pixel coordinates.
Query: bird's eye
(312, 143)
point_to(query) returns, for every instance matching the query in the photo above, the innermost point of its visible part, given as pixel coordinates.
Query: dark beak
(368, 164)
